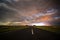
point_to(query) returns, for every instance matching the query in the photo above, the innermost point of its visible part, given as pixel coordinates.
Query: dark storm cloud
(8, 12)
(14, 10)
(10, 8)
(5, 12)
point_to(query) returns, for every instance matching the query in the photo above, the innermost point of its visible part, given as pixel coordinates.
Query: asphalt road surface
(26, 34)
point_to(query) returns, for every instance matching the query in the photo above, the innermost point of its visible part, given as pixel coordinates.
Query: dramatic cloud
(28, 11)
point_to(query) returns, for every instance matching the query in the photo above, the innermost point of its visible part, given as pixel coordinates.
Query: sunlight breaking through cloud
(39, 24)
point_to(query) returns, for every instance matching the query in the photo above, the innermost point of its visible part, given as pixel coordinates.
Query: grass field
(11, 28)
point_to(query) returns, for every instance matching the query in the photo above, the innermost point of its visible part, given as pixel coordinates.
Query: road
(26, 34)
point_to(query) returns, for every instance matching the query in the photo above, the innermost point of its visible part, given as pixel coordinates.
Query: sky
(29, 11)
